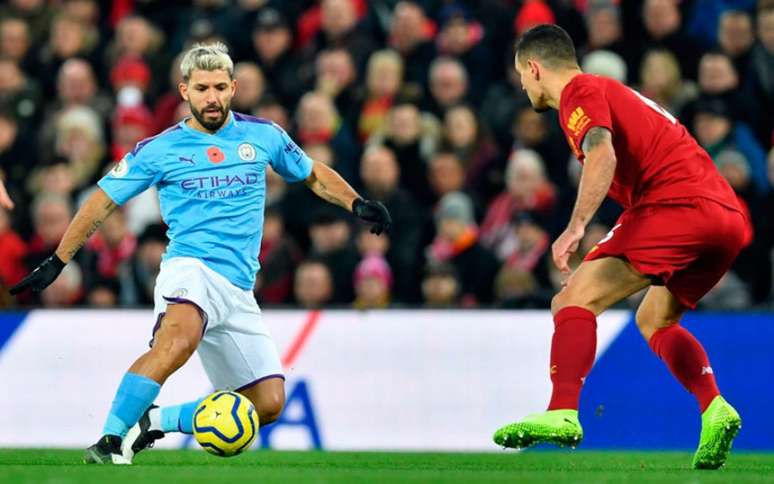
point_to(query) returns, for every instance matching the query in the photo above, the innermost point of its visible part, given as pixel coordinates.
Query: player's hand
(565, 246)
(373, 212)
(5, 200)
(41, 277)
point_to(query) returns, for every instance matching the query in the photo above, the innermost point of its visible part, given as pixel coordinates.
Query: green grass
(168, 467)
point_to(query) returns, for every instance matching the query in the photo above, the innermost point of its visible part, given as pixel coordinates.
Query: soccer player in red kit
(680, 231)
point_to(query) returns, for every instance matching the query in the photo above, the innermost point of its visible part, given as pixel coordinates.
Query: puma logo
(187, 160)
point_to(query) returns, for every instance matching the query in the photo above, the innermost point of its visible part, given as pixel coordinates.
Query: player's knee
(174, 351)
(270, 408)
(573, 295)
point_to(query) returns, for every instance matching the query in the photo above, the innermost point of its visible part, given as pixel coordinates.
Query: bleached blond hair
(206, 57)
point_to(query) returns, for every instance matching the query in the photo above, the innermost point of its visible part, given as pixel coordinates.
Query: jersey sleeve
(136, 172)
(586, 108)
(288, 160)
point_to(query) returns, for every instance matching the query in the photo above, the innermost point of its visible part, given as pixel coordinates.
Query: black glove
(41, 277)
(373, 212)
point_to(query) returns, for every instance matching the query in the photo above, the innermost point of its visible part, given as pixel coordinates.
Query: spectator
(373, 281)
(339, 28)
(448, 85)
(380, 173)
(79, 140)
(313, 285)
(12, 252)
(413, 137)
(474, 148)
(51, 215)
(462, 37)
(138, 277)
(103, 293)
(131, 124)
(661, 81)
(456, 242)
(109, 248)
(736, 38)
(603, 23)
(384, 77)
(446, 174)
(330, 234)
(536, 131)
(761, 78)
(440, 285)
(15, 42)
(18, 95)
(76, 85)
(527, 189)
(716, 131)
(410, 34)
(69, 37)
(270, 108)
(272, 42)
(336, 77)
(278, 257)
(605, 63)
(166, 104)
(319, 123)
(663, 21)
(250, 87)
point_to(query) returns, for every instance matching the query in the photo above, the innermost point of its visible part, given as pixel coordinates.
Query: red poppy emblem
(215, 155)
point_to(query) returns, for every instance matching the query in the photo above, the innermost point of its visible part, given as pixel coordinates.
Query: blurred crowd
(415, 103)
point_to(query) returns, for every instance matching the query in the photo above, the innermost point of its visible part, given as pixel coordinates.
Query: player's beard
(211, 125)
(540, 105)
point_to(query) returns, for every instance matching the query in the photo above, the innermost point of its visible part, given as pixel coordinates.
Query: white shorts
(236, 349)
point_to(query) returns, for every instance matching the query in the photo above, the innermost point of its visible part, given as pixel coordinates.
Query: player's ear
(183, 89)
(534, 69)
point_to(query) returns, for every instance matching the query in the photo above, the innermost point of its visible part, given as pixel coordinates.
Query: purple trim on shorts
(259, 380)
(202, 312)
(156, 328)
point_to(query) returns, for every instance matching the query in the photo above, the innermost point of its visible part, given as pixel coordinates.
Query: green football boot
(719, 425)
(560, 427)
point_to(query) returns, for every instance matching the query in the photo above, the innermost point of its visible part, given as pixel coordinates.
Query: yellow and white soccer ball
(225, 423)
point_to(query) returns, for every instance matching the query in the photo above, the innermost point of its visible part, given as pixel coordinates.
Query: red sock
(572, 354)
(686, 359)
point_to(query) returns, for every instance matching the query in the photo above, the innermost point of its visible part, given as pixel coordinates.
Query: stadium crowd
(415, 103)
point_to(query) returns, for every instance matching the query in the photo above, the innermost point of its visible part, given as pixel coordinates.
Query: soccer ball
(225, 423)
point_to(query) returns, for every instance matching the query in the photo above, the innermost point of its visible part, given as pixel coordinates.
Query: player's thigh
(658, 309)
(598, 284)
(180, 329)
(238, 359)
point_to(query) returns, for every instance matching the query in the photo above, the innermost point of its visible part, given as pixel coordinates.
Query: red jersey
(658, 159)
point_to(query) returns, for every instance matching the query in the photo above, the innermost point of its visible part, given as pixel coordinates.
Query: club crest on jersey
(578, 120)
(246, 152)
(121, 168)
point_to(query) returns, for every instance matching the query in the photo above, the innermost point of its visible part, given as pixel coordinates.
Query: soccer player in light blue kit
(210, 170)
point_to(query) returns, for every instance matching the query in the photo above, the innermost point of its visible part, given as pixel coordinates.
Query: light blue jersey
(212, 188)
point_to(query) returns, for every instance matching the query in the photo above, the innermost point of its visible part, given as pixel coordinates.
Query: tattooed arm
(330, 186)
(598, 171)
(597, 176)
(88, 219)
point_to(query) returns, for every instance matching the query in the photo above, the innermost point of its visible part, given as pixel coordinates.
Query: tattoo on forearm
(109, 208)
(594, 137)
(322, 191)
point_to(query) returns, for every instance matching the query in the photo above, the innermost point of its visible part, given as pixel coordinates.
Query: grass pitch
(168, 467)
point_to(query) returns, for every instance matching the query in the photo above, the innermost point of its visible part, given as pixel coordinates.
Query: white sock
(155, 419)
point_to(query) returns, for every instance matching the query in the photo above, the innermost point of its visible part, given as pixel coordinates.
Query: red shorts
(687, 245)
